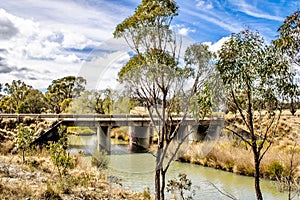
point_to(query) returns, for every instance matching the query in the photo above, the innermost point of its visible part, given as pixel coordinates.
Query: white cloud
(206, 5)
(251, 10)
(185, 31)
(36, 48)
(51, 38)
(214, 47)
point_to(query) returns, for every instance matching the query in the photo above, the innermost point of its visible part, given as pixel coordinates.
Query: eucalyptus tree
(257, 77)
(288, 42)
(95, 101)
(34, 102)
(155, 74)
(61, 92)
(14, 96)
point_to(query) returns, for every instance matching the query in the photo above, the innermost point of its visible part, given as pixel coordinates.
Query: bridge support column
(181, 132)
(103, 138)
(197, 132)
(141, 135)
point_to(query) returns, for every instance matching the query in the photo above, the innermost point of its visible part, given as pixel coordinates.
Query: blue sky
(42, 40)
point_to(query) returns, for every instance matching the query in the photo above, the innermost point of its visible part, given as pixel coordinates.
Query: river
(136, 171)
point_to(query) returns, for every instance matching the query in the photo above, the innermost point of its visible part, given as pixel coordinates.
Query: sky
(43, 40)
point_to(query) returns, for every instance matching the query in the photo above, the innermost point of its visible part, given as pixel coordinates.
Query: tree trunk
(163, 184)
(257, 176)
(157, 184)
(157, 173)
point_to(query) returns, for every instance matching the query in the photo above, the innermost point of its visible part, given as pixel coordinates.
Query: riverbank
(229, 153)
(38, 179)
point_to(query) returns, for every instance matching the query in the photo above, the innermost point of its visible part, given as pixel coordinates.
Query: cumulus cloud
(181, 29)
(214, 47)
(33, 48)
(7, 28)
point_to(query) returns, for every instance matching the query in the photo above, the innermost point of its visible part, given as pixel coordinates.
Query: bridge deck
(105, 120)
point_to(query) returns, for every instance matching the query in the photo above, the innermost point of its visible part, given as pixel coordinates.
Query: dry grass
(38, 179)
(120, 133)
(227, 155)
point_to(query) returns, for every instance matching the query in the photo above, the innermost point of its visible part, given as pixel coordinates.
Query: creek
(135, 169)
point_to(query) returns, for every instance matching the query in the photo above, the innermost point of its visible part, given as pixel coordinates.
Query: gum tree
(257, 78)
(61, 92)
(155, 76)
(15, 95)
(288, 42)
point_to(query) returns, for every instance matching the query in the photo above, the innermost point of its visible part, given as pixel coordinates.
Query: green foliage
(155, 14)
(288, 43)
(229, 164)
(92, 102)
(100, 160)
(34, 102)
(59, 155)
(24, 139)
(146, 193)
(180, 185)
(50, 194)
(275, 169)
(61, 91)
(257, 78)
(288, 40)
(15, 95)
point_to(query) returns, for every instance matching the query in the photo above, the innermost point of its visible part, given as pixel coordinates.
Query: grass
(38, 179)
(226, 155)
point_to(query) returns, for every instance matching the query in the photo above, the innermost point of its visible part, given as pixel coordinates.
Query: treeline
(64, 95)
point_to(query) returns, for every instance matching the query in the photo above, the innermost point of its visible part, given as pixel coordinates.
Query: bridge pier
(197, 133)
(103, 138)
(141, 135)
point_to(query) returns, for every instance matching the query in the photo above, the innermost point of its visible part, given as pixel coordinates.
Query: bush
(100, 160)
(146, 193)
(275, 169)
(24, 139)
(180, 185)
(59, 155)
(229, 165)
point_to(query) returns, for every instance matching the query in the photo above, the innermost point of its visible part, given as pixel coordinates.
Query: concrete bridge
(140, 126)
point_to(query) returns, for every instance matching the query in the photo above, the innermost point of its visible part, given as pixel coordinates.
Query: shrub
(100, 160)
(23, 140)
(229, 165)
(180, 186)
(275, 169)
(146, 193)
(59, 155)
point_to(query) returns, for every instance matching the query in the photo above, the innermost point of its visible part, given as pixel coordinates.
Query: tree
(257, 78)
(154, 75)
(288, 42)
(33, 103)
(15, 94)
(58, 153)
(61, 92)
(95, 101)
(24, 140)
